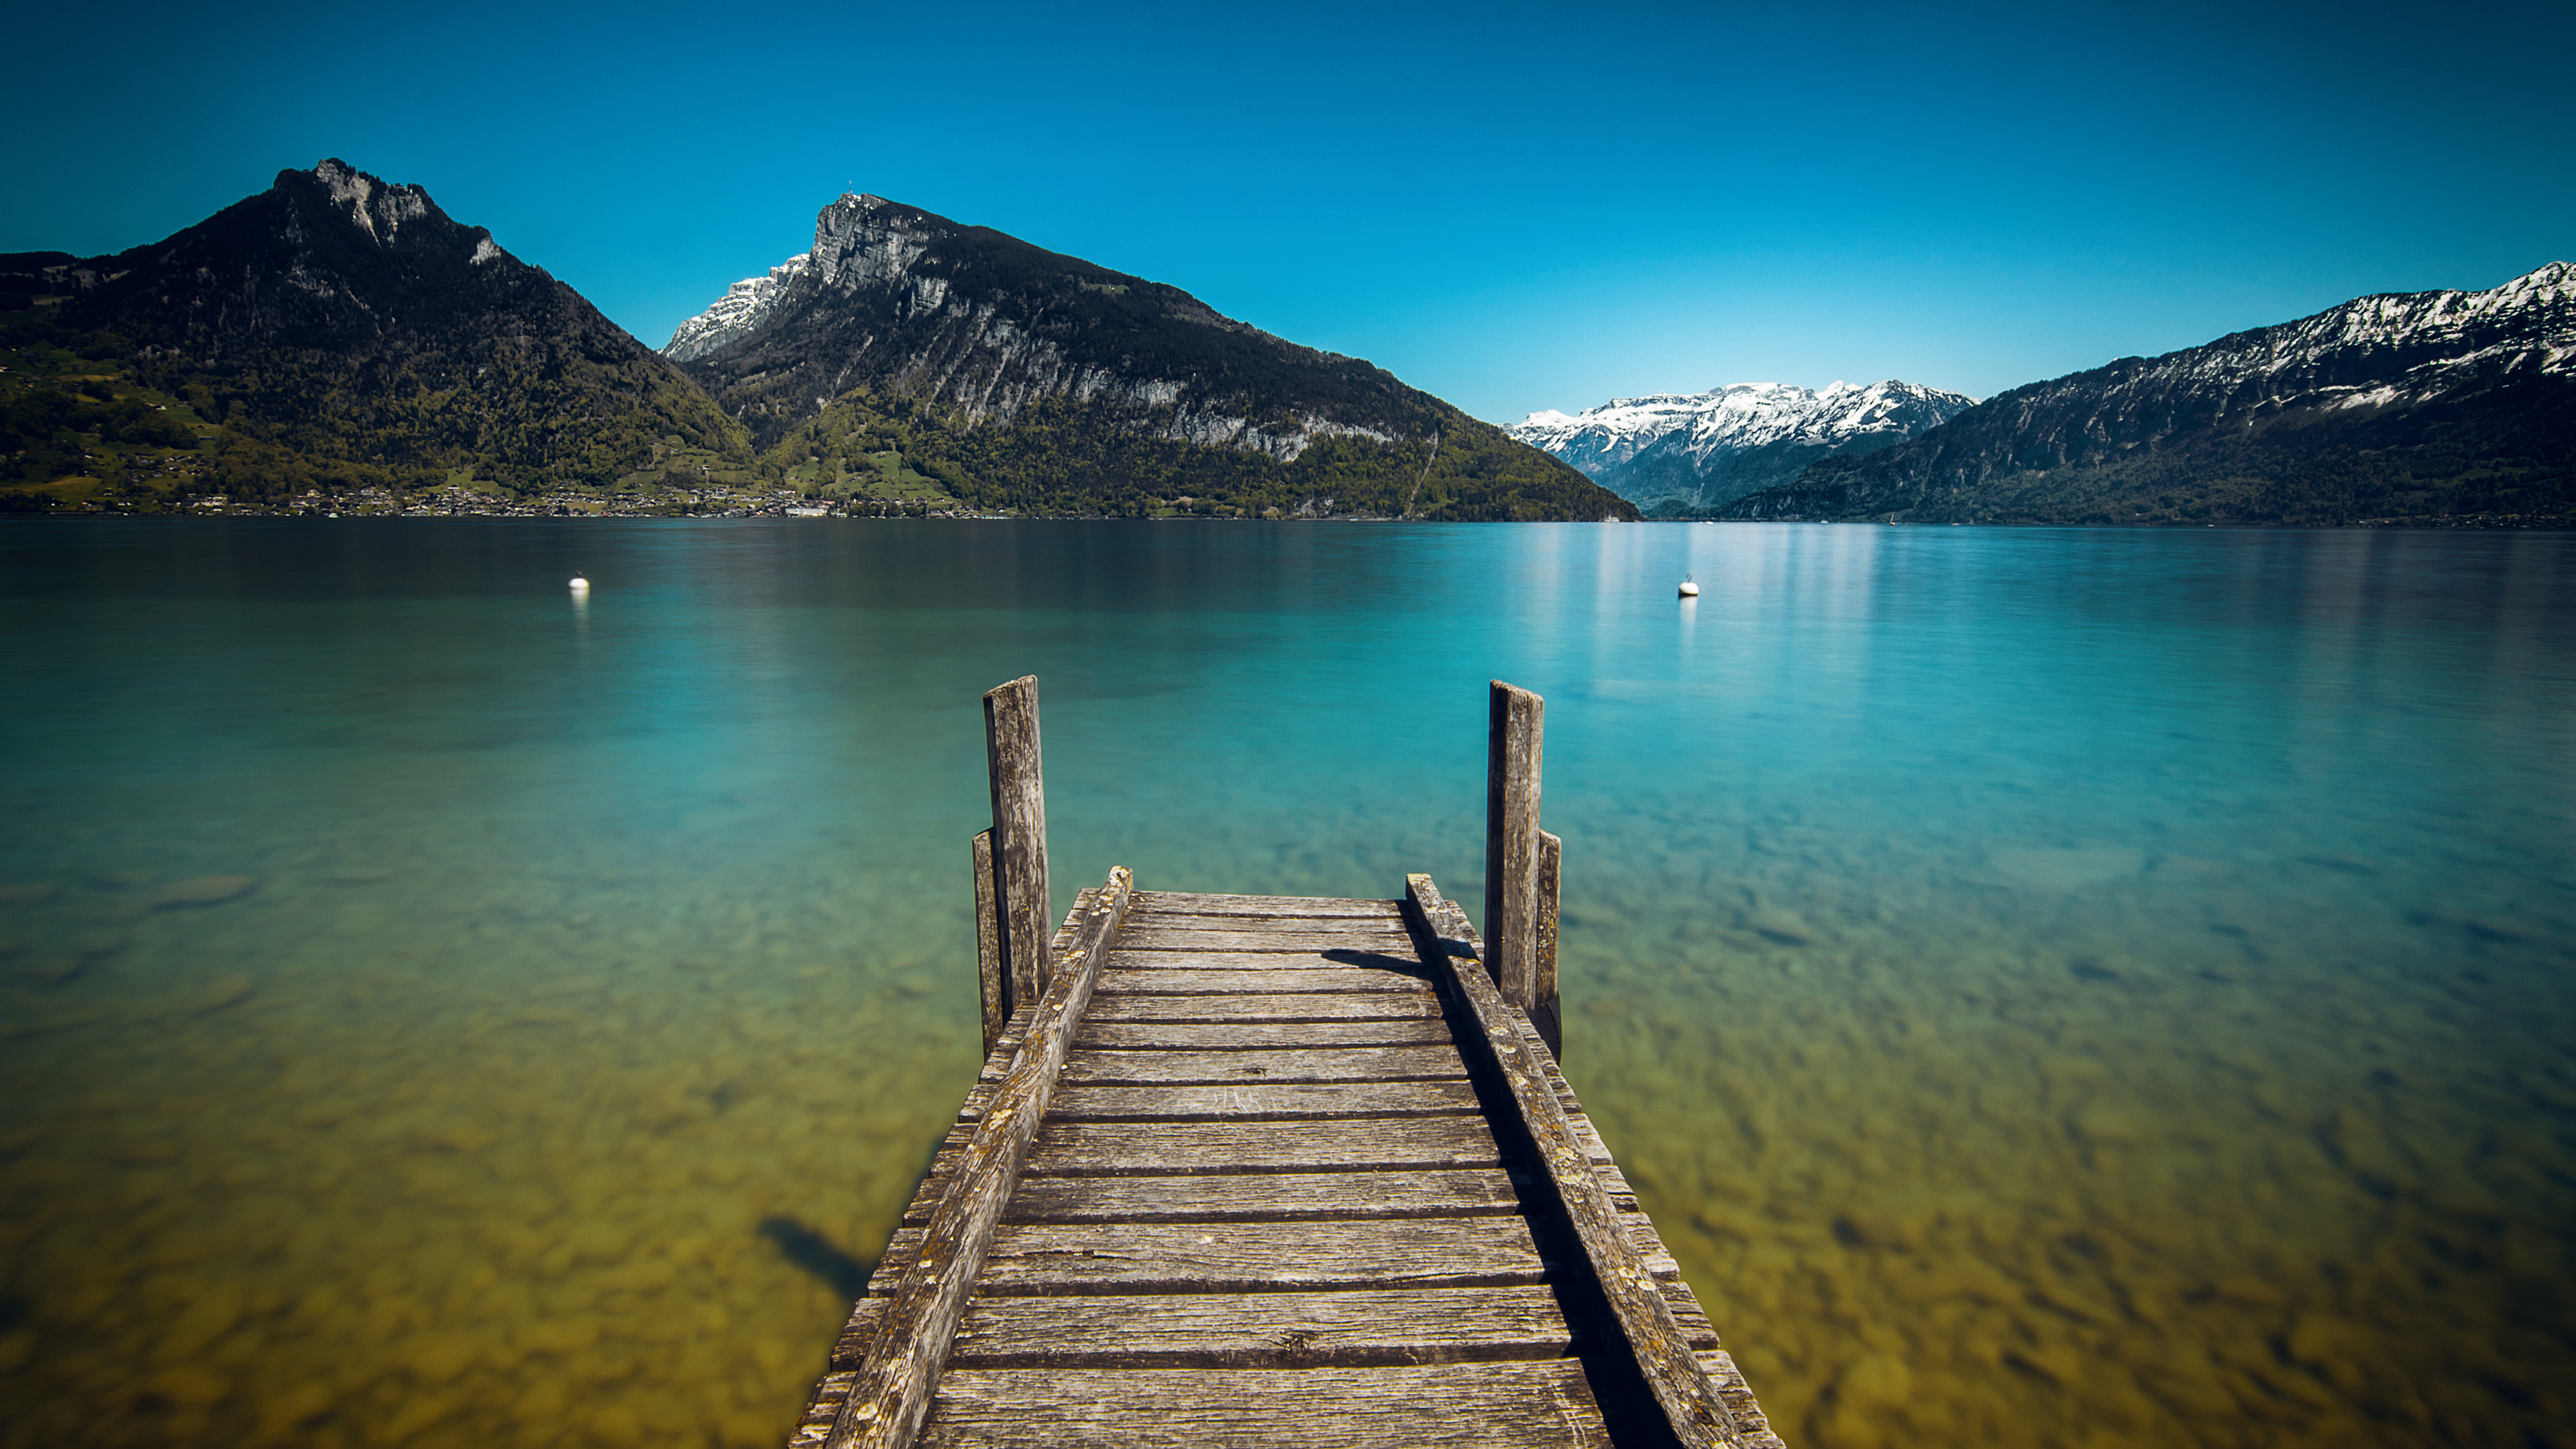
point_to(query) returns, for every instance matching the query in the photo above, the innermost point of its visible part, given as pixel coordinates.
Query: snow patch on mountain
(1701, 446)
(744, 306)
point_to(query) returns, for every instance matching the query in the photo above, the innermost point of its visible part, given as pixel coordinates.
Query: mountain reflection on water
(2049, 986)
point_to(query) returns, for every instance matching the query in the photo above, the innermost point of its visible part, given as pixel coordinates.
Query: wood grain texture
(1389, 924)
(1142, 1311)
(1254, 1006)
(1102, 1149)
(1249, 1257)
(1691, 1407)
(1324, 978)
(991, 978)
(1349, 1064)
(1265, 1330)
(1268, 1196)
(1153, 903)
(1245, 938)
(1014, 765)
(1545, 1012)
(894, 1384)
(1274, 1102)
(1516, 726)
(1542, 1405)
(1401, 962)
(1255, 1036)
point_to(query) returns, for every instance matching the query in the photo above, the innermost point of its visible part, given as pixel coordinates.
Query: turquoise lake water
(2051, 987)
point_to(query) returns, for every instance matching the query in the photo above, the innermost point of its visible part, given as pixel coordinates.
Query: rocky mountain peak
(377, 208)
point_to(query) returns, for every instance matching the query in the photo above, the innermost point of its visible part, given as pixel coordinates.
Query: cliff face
(2423, 405)
(1056, 375)
(352, 325)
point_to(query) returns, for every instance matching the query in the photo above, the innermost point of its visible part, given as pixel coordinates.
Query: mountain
(1680, 453)
(905, 345)
(338, 331)
(2405, 407)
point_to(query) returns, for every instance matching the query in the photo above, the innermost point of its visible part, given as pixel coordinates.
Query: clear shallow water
(2050, 987)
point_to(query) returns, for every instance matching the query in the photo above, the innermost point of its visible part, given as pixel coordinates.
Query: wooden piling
(1518, 720)
(1544, 1013)
(1019, 845)
(991, 976)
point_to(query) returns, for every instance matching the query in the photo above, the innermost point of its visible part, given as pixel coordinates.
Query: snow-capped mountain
(744, 306)
(2392, 406)
(1698, 450)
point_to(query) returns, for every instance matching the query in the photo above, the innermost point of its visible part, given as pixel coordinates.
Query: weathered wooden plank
(852, 1346)
(1545, 1012)
(1539, 1405)
(1264, 1102)
(1245, 938)
(1018, 781)
(1317, 980)
(1750, 1421)
(1283, 924)
(992, 978)
(1151, 903)
(1690, 1404)
(1516, 726)
(1102, 1149)
(1248, 1196)
(1353, 1064)
(894, 1385)
(1243, 1006)
(1268, 1196)
(1348, 1329)
(1255, 1036)
(1247, 1257)
(1394, 962)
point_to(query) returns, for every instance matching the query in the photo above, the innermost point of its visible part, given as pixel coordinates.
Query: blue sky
(1515, 208)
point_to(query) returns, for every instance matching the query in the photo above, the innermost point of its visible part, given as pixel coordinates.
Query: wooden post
(1512, 842)
(989, 975)
(1019, 838)
(1544, 1012)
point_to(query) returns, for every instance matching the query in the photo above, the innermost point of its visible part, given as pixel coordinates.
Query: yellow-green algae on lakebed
(469, 1178)
(2049, 988)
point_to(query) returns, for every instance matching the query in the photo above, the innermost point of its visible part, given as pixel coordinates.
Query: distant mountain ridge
(2417, 406)
(1692, 451)
(343, 331)
(1041, 380)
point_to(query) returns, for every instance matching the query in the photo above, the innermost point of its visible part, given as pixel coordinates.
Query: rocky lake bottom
(2049, 987)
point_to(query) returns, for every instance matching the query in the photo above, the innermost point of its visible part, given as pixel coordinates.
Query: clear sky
(1514, 208)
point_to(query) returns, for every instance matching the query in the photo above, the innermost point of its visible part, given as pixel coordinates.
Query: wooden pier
(1263, 1170)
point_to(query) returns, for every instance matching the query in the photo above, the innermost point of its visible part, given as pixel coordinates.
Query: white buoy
(1689, 590)
(580, 585)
